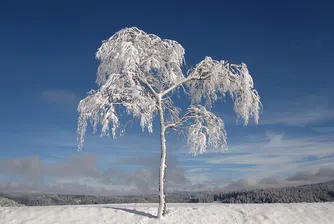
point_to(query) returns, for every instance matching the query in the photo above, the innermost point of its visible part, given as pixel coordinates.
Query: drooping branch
(99, 107)
(187, 116)
(171, 112)
(205, 130)
(194, 75)
(138, 69)
(213, 79)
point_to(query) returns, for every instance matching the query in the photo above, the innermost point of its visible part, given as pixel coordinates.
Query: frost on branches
(139, 72)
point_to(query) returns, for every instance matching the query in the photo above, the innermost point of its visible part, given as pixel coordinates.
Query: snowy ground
(177, 213)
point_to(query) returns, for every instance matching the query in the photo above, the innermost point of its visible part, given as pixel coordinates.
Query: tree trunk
(162, 193)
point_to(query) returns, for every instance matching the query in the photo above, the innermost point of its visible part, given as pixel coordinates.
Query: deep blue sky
(47, 53)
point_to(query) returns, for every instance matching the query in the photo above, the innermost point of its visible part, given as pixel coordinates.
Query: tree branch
(149, 86)
(189, 78)
(183, 119)
(176, 85)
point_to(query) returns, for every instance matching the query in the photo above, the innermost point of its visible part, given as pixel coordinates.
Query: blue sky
(47, 51)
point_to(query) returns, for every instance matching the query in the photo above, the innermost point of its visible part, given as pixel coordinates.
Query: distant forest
(322, 192)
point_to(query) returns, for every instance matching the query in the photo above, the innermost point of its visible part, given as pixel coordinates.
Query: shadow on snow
(134, 211)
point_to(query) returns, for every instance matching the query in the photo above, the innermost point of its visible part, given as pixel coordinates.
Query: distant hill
(322, 192)
(5, 202)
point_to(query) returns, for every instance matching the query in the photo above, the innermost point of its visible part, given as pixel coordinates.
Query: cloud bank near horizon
(80, 174)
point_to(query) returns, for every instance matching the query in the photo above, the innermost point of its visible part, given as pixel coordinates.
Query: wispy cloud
(272, 154)
(299, 111)
(310, 176)
(328, 129)
(62, 97)
(299, 118)
(198, 169)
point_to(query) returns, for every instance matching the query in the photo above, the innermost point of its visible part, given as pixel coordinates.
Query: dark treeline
(322, 192)
(44, 199)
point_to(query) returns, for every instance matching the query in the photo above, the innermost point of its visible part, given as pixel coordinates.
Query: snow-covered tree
(139, 73)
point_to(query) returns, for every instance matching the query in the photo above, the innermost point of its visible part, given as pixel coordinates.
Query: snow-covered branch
(205, 130)
(139, 71)
(149, 86)
(212, 79)
(135, 53)
(100, 107)
(176, 85)
(179, 122)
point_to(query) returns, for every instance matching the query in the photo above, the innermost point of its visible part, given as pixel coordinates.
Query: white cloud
(80, 174)
(310, 176)
(197, 169)
(273, 154)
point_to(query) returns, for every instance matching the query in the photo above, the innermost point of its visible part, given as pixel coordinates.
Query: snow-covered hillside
(176, 213)
(5, 202)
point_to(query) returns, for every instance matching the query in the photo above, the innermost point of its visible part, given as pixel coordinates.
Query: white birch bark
(162, 191)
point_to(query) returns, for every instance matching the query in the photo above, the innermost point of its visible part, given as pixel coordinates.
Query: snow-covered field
(176, 213)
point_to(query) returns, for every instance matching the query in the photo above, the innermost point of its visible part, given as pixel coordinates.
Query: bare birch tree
(139, 72)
